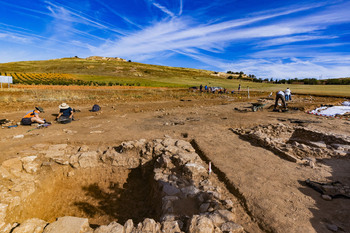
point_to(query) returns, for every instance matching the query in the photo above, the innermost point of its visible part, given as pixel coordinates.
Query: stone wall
(190, 199)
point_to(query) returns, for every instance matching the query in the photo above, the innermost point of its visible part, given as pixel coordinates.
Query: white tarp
(332, 111)
(5, 79)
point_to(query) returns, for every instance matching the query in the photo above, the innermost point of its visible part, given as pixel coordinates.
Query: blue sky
(278, 39)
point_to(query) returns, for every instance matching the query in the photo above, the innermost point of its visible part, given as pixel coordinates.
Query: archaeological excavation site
(178, 166)
(138, 186)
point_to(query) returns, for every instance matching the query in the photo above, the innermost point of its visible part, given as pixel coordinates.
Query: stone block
(69, 224)
(33, 225)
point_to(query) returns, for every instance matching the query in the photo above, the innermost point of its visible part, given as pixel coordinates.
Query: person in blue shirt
(66, 114)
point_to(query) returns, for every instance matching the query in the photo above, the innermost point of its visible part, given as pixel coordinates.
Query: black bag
(95, 108)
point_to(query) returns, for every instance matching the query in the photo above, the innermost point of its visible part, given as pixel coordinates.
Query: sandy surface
(270, 189)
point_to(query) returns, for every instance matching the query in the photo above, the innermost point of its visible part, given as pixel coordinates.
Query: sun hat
(63, 106)
(40, 109)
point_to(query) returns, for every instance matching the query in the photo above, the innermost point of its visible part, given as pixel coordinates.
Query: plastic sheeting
(333, 111)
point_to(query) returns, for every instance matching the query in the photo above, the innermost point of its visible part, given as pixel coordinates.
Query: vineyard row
(56, 79)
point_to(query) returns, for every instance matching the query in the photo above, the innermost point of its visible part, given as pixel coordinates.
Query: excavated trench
(164, 183)
(295, 143)
(101, 194)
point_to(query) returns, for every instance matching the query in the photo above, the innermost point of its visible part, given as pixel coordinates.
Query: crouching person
(280, 95)
(65, 115)
(33, 117)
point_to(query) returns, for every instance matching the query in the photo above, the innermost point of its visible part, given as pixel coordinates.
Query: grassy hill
(121, 72)
(109, 71)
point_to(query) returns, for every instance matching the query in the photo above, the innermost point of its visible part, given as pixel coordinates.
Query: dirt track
(271, 190)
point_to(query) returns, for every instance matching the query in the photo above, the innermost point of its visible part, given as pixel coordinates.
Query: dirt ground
(271, 190)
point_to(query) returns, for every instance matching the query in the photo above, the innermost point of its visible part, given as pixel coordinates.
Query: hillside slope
(117, 70)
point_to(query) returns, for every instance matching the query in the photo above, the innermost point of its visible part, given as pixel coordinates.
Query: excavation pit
(162, 184)
(101, 194)
(296, 143)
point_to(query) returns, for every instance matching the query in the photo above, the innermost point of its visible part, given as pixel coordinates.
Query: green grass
(137, 74)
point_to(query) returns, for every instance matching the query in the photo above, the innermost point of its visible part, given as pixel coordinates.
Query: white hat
(63, 106)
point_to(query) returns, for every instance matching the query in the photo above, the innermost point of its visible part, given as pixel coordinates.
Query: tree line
(307, 81)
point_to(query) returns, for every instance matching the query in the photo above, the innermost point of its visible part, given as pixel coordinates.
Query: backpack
(95, 108)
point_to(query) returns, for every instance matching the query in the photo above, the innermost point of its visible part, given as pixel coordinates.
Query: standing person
(280, 95)
(65, 115)
(33, 117)
(288, 94)
(239, 87)
(201, 88)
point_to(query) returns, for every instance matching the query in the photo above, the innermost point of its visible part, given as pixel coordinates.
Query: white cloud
(292, 39)
(181, 7)
(326, 67)
(164, 9)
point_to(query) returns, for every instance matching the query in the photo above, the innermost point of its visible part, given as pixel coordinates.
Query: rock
(168, 142)
(113, 227)
(13, 165)
(228, 203)
(74, 160)
(68, 131)
(319, 144)
(129, 160)
(170, 227)
(303, 146)
(88, 159)
(18, 136)
(6, 228)
(129, 226)
(172, 149)
(57, 155)
(39, 146)
(190, 190)
(341, 147)
(3, 210)
(4, 173)
(184, 145)
(70, 173)
(340, 153)
(232, 227)
(84, 148)
(28, 164)
(169, 189)
(69, 224)
(226, 215)
(33, 225)
(25, 188)
(204, 207)
(97, 132)
(332, 227)
(326, 197)
(201, 224)
(149, 225)
(165, 161)
(58, 147)
(195, 171)
(184, 158)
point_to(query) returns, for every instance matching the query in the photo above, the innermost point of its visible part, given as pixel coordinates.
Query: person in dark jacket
(65, 115)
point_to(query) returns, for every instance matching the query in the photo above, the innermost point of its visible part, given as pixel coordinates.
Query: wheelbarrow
(257, 106)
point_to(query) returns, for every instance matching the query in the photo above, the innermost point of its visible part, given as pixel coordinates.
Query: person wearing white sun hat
(65, 115)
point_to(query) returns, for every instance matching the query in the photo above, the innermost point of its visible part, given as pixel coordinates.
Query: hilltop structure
(100, 58)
